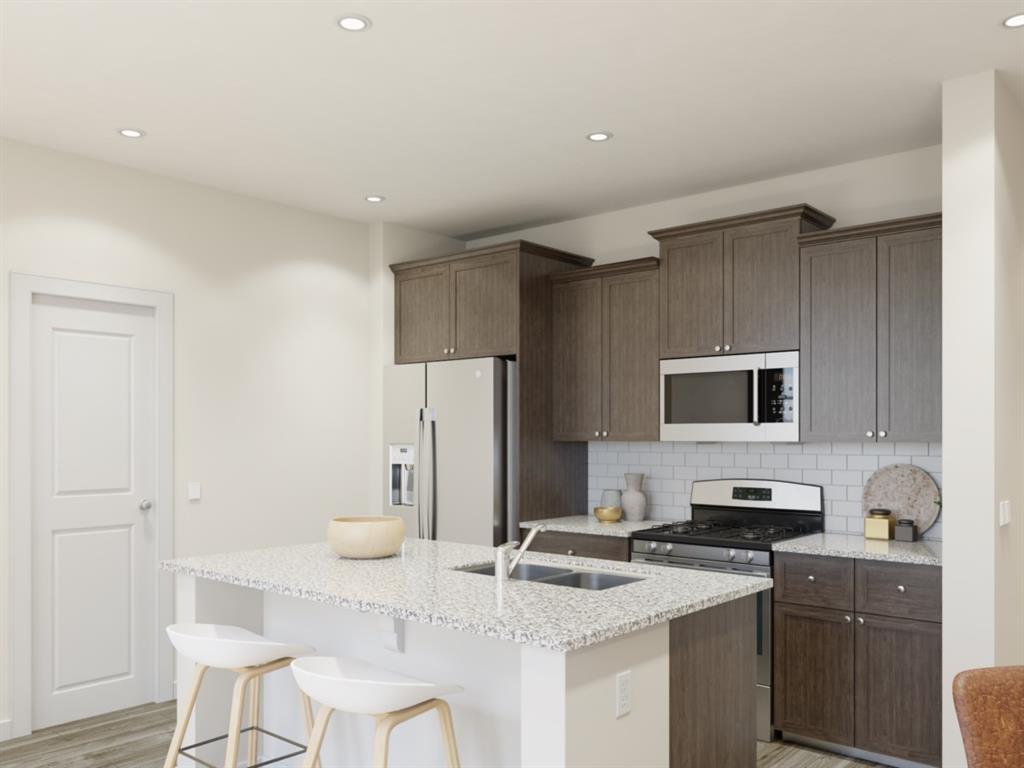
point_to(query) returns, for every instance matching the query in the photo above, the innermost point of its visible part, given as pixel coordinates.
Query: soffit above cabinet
(813, 218)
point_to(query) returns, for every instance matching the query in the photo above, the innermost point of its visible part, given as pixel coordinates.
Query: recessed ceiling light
(1015, 21)
(375, 198)
(132, 133)
(599, 136)
(354, 23)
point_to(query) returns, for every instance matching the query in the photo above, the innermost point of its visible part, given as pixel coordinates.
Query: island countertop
(420, 584)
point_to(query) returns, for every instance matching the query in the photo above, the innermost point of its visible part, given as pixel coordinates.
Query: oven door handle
(754, 396)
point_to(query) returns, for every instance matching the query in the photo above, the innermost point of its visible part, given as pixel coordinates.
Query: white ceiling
(471, 116)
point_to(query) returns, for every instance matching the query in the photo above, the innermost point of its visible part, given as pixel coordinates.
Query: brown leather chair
(990, 706)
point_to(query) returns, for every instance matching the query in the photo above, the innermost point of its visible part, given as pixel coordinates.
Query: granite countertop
(419, 584)
(923, 552)
(591, 525)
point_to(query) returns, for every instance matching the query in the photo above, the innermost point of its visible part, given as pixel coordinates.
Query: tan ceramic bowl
(363, 538)
(608, 514)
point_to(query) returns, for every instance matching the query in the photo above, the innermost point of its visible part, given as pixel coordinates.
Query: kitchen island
(541, 663)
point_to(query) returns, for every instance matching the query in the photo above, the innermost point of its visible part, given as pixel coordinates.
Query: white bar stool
(223, 646)
(353, 686)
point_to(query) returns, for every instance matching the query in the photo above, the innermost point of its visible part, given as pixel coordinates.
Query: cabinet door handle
(571, 552)
(597, 434)
(847, 619)
(446, 350)
(452, 351)
(718, 347)
(604, 433)
(882, 433)
(810, 578)
(728, 347)
(860, 619)
(869, 433)
(901, 588)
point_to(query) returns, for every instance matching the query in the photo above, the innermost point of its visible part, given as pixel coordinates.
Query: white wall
(1009, 396)
(271, 342)
(982, 361)
(903, 184)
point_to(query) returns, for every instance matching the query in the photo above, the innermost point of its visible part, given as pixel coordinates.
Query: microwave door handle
(755, 390)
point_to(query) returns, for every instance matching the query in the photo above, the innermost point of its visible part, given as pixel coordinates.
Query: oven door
(738, 398)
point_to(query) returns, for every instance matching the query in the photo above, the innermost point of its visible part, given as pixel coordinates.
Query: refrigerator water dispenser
(401, 474)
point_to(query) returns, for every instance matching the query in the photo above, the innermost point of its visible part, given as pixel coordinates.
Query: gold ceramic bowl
(608, 514)
(363, 538)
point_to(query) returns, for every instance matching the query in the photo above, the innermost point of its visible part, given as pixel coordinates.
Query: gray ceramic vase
(634, 503)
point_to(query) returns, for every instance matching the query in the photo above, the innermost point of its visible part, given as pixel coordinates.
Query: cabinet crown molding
(520, 246)
(810, 216)
(873, 229)
(608, 270)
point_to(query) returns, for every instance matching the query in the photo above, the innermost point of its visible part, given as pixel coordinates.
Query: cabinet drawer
(826, 582)
(900, 590)
(579, 544)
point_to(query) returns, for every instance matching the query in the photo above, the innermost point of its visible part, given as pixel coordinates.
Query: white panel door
(93, 518)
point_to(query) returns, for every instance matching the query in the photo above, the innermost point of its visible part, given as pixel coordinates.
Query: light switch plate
(1005, 515)
(195, 492)
(623, 693)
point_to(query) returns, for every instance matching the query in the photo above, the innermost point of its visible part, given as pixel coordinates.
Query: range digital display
(752, 494)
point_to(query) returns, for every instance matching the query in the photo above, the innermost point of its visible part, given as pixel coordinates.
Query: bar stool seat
(223, 646)
(250, 655)
(349, 685)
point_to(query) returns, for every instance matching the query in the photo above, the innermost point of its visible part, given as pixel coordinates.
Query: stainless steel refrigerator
(450, 463)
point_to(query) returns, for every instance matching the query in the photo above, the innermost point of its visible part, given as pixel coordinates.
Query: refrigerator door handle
(427, 485)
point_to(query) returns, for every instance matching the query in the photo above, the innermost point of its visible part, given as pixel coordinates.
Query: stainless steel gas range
(732, 529)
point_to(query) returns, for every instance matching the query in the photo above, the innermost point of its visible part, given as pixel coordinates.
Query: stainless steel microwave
(732, 398)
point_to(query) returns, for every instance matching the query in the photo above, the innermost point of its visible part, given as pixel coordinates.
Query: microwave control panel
(778, 396)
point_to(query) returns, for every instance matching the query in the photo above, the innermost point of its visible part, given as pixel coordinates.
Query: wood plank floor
(138, 738)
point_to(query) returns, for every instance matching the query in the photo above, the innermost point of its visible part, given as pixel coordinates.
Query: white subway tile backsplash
(841, 468)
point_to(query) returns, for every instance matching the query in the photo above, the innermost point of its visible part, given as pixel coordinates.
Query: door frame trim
(22, 289)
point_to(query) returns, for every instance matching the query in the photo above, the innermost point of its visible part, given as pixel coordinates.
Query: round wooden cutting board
(908, 491)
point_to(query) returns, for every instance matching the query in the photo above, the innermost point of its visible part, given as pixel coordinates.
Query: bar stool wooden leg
(235, 722)
(444, 713)
(316, 737)
(381, 737)
(254, 719)
(179, 730)
(307, 713)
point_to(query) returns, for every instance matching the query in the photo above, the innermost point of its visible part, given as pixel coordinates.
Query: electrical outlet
(1004, 513)
(623, 693)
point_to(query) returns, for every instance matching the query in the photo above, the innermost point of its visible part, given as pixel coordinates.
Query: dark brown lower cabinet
(814, 673)
(856, 677)
(899, 687)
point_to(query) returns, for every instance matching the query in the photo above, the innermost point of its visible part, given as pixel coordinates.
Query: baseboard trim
(5, 729)
(858, 754)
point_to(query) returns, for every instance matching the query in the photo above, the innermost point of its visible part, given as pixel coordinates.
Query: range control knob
(732, 554)
(653, 546)
(668, 548)
(750, 557)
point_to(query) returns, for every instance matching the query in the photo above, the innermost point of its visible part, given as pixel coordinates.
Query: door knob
(145, 505)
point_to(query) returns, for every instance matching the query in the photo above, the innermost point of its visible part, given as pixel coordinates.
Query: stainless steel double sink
(563, 577)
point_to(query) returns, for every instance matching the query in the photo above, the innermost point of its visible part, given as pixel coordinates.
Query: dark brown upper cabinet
(605, 362)
(467, 304)
(732, 285)
(871, 332)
